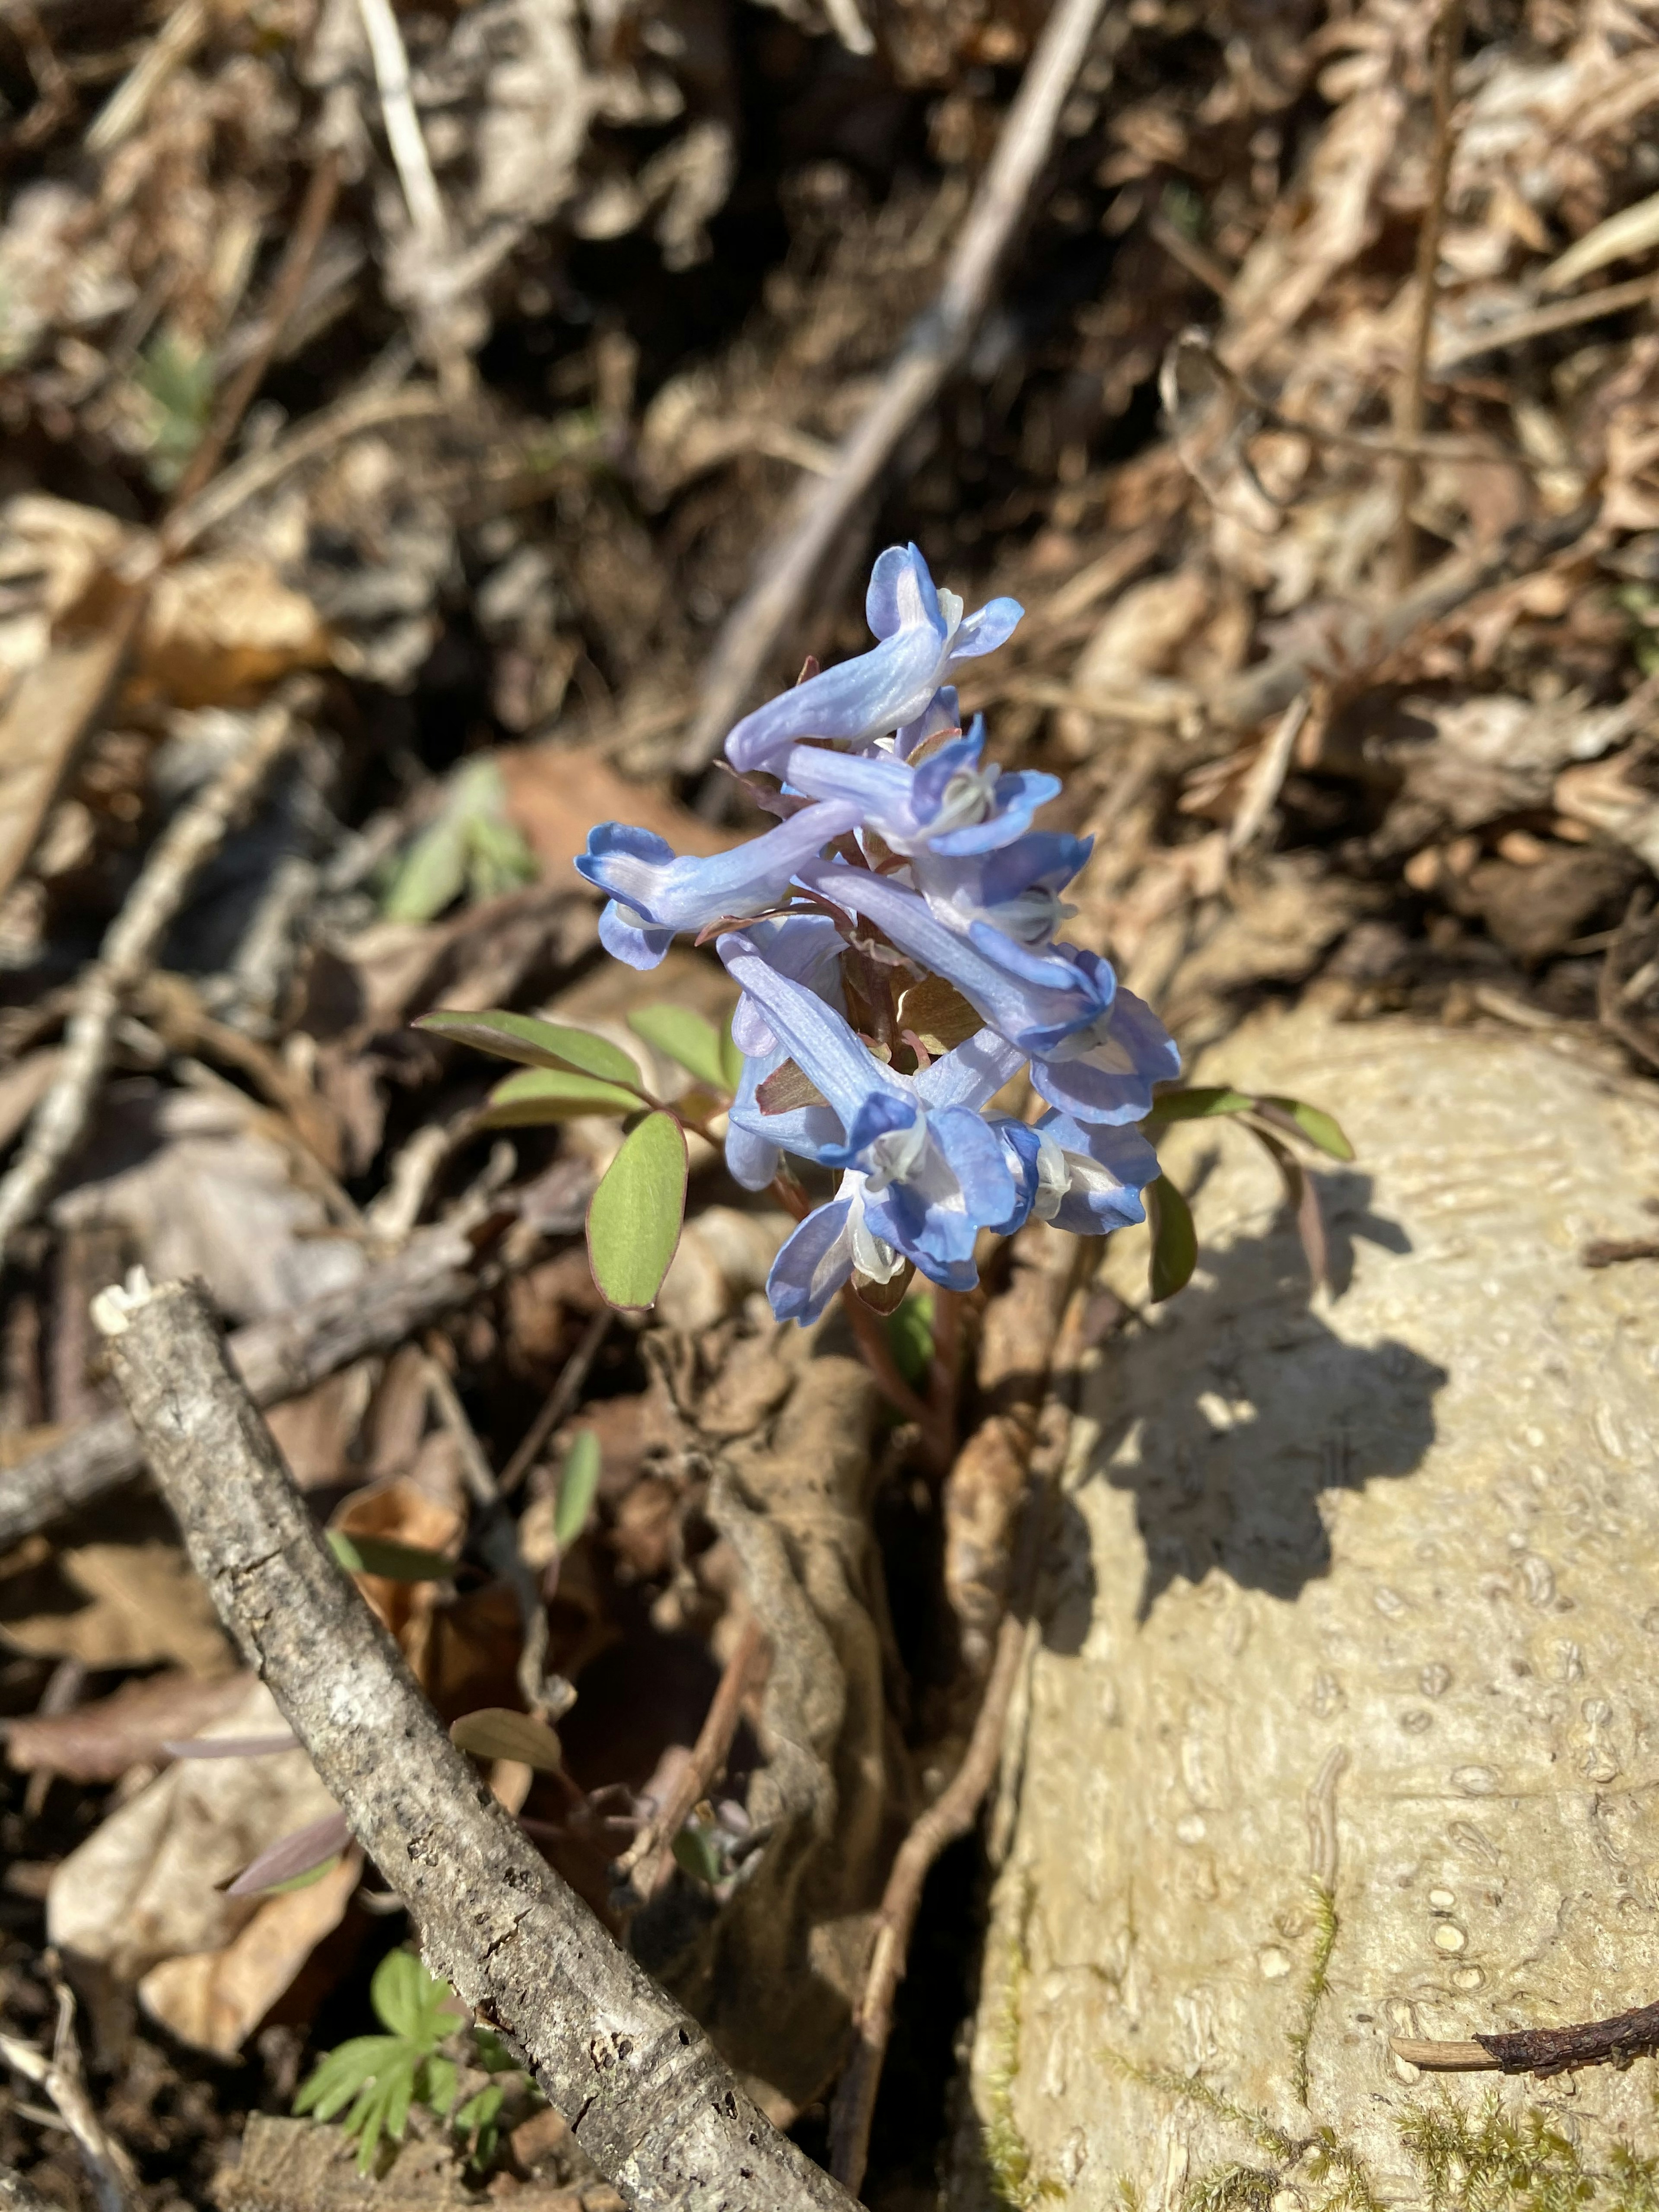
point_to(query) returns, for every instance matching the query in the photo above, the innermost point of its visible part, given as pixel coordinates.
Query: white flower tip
(114, 1308)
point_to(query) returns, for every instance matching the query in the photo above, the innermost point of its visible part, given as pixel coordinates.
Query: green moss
(1231, 2189)
(1325, 1926)
(1490, 2160)
(1007, 2154)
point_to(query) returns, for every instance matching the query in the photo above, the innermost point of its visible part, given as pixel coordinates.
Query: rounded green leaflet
(685, 1037)
(1312, 1122)
(1174, 1241)
(633, 1218)
(579, 1481)
(536, 1094)
(536, 1044)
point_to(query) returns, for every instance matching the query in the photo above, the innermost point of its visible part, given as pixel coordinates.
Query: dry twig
(441, 1268)
(787, 567)
(128, 952)
(646, 1865)
(301, 251)
(1542, 2051)
(559, 1401)
(639, 2083)
(64, 2079)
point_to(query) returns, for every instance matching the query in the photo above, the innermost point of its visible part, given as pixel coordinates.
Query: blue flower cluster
(894, 939)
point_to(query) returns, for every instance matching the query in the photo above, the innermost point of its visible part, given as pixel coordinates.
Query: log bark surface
(1343, 1724)
(647, 2097)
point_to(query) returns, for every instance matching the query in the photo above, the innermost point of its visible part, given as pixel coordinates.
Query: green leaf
(497, 1732)
(910, 1335)
(731, 1059)
(382, 1555)
(536, 1044)
(1174, 1241)
(548, 1094)
(579, 1478)
(1196, 1103)
(179, 382)
(340, 2074)
(478, 2112)
(493, 2054)
(470, 845)
(685, 1037)
(498, 859)
(696, 1850)
(432, 874)
(633, 1218)
(400, 1994)
(1312, 1122)
(439, 2082)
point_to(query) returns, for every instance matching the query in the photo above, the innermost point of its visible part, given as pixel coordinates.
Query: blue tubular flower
(1106, 1073)
(655, 895)
(922, 634)
(939, 718)
(806, 948)
(925, 1170)
(1034, 1000)
(949, 805)
(1015, 890)
(1086, 1178)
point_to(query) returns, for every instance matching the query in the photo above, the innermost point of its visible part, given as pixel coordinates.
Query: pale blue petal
(902, 592)
(1111, 1078)
(806, 947)
(624, 938)
(813, 1264)
(1035, 1015)
(971, 1073)
(983, 631)
(817, 1038)
(853, 700)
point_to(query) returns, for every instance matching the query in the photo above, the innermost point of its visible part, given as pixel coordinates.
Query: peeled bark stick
(642, 2087)
(787, 568)
(279, 1359)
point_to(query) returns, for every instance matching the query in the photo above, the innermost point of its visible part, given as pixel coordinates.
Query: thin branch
(301, 251)
(1539, 322)
(64, 2079)
(1408, 413)
(189, 840)
(280, 1359)
(559, 1401)
(124, 110)
(639, 2083)
(1542, 2051)
(246, 479)
(495, 1531)
(646, 1865)
(788, 566)
(403, 125)
(951, 1815)
(1266, 777)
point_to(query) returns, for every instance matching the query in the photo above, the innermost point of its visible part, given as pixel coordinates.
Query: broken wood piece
(440, 1269)
(642, 2087)
(1444, 2057)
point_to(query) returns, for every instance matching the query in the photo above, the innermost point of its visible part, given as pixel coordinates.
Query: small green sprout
(374, 2080)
